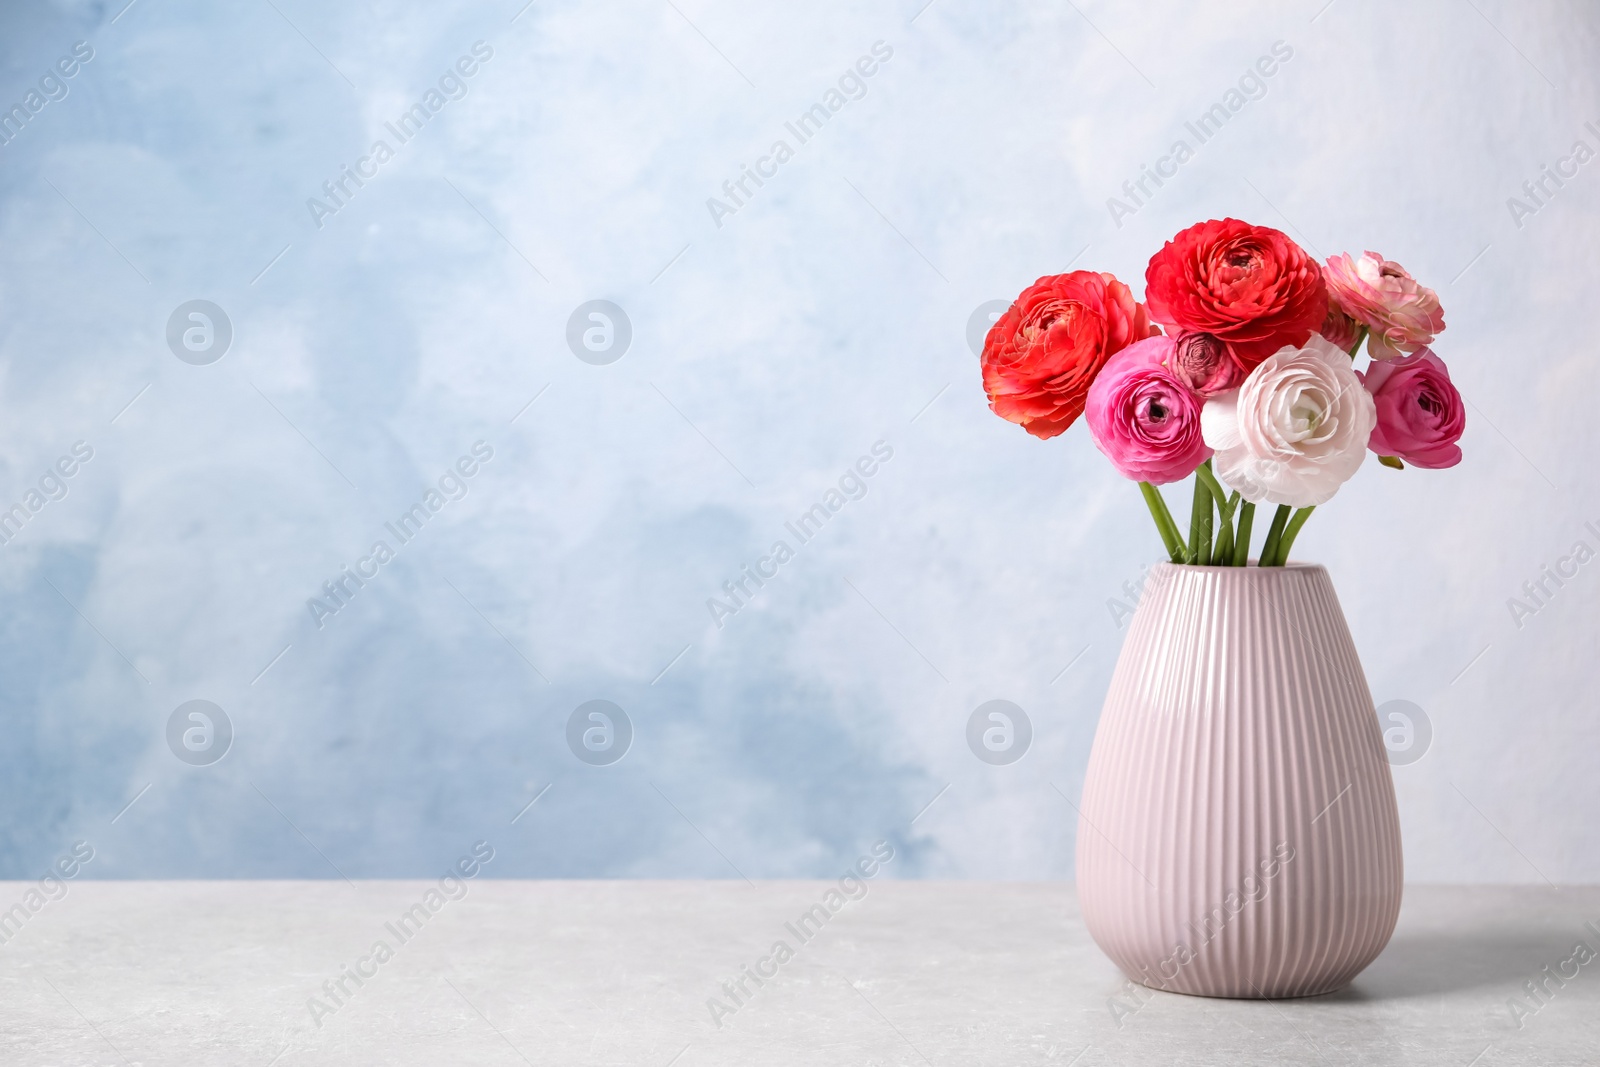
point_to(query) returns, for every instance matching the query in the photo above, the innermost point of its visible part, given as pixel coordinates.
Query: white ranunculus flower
(1296, 429)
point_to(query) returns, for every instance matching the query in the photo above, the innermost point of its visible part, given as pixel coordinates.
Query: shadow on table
(1425, 964)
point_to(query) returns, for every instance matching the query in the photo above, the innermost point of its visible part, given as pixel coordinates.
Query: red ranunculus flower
(1247, 285)
(1042, 354)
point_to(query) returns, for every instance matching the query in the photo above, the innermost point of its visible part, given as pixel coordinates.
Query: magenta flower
(1420, 413)
(1382, 296)
(1144, 417)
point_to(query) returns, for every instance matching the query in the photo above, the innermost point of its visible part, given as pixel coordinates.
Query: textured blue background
(828, 313)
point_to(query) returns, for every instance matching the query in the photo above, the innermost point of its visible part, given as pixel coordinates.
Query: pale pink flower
(1295, 431)
(1379, 293)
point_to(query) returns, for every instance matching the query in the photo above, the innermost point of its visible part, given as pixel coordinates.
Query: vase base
(1249, 991)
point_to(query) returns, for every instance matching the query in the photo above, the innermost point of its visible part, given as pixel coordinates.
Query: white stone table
(167, 974)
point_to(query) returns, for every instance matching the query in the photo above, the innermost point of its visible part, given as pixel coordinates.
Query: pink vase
(1238, 835)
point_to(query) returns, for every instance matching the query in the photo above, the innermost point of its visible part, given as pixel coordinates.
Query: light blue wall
(768, 354)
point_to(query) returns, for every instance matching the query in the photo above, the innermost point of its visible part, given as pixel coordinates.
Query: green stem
(1222, 553)
(1223, 556)
(1269, 548)
(1171, 524)
(1164, 524)
(1241, 543)
(1200, 523)
(1203, 472)
(1291, 532)
(1362, 336)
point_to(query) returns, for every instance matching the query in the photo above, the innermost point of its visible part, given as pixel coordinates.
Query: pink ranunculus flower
(1420, 413)
(1144, 417)
(1205, 363)
(1295, 431)
(1402, 316)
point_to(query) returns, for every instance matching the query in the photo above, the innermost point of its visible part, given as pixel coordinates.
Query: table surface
(573, 973)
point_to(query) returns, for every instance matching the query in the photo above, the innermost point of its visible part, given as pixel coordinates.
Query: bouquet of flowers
(1238, 369)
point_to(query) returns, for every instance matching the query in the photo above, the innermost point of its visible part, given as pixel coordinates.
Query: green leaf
(1392, 461)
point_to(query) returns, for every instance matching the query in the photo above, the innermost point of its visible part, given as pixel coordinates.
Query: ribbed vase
(1238, 835)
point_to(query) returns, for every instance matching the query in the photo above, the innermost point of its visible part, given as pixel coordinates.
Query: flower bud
(1203, 363)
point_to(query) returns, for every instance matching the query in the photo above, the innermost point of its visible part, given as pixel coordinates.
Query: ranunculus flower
(1250, 286)
(1143, 417)
(1040, 357)
(1339, 328)
(1420, 414)
(1295, 431)
(1203, 362)
(1378, 293)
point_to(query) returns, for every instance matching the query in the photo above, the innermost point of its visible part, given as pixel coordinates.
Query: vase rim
(1254, 566)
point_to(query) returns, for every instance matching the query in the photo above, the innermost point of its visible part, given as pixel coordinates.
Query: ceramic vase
(1238, 835)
